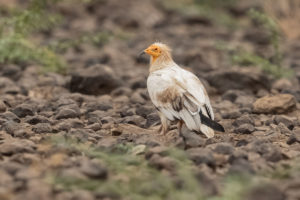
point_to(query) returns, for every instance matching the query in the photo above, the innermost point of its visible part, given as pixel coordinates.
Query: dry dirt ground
(92, 133)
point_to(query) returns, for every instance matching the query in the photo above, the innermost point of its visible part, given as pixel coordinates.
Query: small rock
(244, 119)
(241, 166)
(42, 128)
(144, 111)
(293, 139)
(232, 114)
(2, 107)
(33, 120)
(265, 191)
(245, 79)
(245, 129)
(137, 98)
(9, 116)
(152, 120)
(107, 142)
(162, 162)
(160, 150)
(192, 139)
(94, 169)
(116, 132)
(23, 110)
(285, 120)
(65, 113)
(67, 124)
(135, 120)
(231, 95)
(17, 146)
(278, 104)
(267, 150)
(95, 126)
(282, 84)
(283, 129)
(11, 127)
(121, 91)
(96, 80)
(224, 148)
(139, 149)
(201, 156)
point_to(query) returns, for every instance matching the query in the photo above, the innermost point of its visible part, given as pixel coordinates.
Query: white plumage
(177, 93)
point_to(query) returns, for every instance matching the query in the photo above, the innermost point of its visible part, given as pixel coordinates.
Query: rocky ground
(93, 133)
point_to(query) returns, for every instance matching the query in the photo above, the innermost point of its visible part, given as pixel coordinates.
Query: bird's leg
(179, 126)
(163, 129)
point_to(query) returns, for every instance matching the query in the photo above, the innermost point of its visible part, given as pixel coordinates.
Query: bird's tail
(208, 132)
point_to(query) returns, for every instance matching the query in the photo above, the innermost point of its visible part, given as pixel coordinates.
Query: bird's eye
(155, 49)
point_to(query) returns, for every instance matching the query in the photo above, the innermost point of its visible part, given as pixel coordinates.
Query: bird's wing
(163, 93)
(195, 91)
(179, 94)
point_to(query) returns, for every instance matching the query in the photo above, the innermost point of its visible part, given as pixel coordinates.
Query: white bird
(178, 94)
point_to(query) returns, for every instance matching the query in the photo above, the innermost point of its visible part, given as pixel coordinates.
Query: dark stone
(135, 120)
(293, 139)
(162, 162)
(224, 148)
(238, 79)
(144, 111)
(232, 114)
(42, 128)
(245, 129)
(17, 146)
(237, 155)
(241, 143)
(65, 113)
(244, 119)
(231, 95)
(121, 91)
(240, 166)
(267, 150)
(11, 127)
(127, 112)
(208, 184)
(96, 80)
(202, 156)
(152, 119)
(2, 107)
(285, 120)
(67, 124)
(23, 110)
(95, 126)
(265, 191)
(192, 139)
(36, 119)
(94, 169)
(138, 82)
(9, 116)
(99, 106)
(160, 150)
(11, 71)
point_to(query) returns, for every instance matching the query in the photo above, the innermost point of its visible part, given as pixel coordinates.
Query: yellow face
(153, 50)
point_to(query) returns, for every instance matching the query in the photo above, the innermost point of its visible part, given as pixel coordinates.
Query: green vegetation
(272, 65)
(16, 46)
(18, 26)
(212, 10)
(132, 177)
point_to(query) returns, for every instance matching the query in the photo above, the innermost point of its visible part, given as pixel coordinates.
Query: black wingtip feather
(210, 123)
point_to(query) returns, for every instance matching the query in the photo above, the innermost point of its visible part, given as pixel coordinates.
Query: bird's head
(157, 50)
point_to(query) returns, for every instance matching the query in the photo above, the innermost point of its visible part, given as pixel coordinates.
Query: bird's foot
(162, 130)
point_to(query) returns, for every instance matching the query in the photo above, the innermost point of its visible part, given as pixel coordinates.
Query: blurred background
(77, 122)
